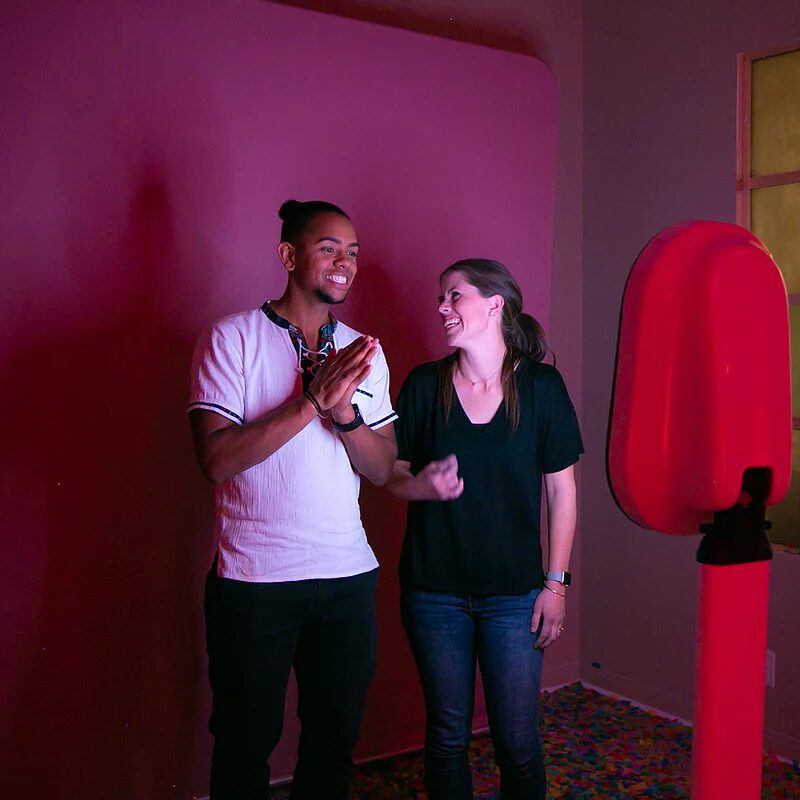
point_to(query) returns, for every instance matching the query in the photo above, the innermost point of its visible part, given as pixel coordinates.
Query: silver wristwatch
(564, 578)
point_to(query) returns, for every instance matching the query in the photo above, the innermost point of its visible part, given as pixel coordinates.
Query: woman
(476, 433)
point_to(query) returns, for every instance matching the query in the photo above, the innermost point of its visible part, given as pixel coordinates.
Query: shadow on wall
(378, 308)
(425, 19)
(112, 655)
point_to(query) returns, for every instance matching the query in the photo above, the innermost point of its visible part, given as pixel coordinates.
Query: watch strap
(564, 578)
(349, 426)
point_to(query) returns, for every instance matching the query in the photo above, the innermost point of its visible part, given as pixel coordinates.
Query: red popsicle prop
(700, 441)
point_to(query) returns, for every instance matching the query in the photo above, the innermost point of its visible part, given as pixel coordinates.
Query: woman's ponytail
(527, 336)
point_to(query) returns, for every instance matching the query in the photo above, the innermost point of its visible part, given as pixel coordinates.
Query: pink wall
(660, 138)
(553, 32)
(147, 153)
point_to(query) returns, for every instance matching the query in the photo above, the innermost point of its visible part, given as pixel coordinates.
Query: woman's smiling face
(464, 310)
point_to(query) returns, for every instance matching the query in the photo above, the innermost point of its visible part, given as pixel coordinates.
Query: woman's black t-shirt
(487, 540)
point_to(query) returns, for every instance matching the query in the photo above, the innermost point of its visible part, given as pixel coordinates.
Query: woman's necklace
(480, 380)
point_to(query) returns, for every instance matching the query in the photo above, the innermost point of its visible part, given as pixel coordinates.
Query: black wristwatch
(564, 578)
(349, 426)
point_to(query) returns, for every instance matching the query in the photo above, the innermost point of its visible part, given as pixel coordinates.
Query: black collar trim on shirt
(325, 332)
(308, 361)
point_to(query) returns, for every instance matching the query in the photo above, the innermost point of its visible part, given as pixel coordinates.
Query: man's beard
(326, 298)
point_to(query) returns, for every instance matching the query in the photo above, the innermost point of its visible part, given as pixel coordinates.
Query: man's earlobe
(286, 255)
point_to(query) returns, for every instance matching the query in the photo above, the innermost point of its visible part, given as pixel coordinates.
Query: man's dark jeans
(255, 633)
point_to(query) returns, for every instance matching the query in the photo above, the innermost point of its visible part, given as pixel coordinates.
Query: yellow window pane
(775, 114)
(775, 219)
(785, 516)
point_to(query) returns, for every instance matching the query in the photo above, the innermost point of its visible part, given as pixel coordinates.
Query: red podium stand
(700, 441)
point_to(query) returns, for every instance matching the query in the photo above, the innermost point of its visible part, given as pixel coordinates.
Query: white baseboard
(652, 709)
(666, 704)
(785, 748)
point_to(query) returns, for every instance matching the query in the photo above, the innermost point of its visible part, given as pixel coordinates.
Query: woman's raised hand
(440, 479)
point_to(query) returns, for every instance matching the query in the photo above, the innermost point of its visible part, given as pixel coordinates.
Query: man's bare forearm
(224, 450)
(371, 453)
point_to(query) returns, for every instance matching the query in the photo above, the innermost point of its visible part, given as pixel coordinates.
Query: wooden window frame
(745, 182)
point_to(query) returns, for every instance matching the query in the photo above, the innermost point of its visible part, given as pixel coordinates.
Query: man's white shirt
(295, 515)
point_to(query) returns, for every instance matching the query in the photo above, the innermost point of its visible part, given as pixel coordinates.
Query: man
(288, 408)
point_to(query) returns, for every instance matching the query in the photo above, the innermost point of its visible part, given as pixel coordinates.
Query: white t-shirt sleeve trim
(379, 411)
(218, 373)
(217, 409)
(381, 422)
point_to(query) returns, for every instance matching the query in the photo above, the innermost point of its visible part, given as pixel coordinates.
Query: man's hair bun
(289, 209)
(298, 216)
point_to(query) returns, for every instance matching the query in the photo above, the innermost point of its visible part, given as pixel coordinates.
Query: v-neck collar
(479, 425)
(500, 407)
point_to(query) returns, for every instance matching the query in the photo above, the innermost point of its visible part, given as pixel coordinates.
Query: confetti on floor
(596, 747)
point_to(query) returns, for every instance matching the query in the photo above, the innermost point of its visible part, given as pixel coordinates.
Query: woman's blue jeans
(448, 633)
